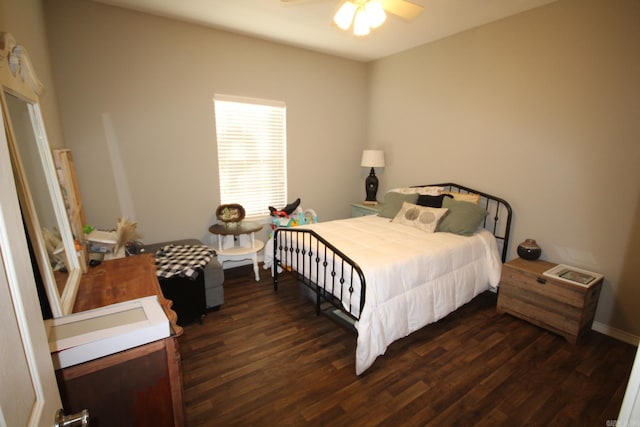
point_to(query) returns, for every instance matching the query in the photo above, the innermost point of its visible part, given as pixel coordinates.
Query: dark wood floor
(266, 359)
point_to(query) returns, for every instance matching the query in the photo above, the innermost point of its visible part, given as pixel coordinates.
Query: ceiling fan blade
(402, 8)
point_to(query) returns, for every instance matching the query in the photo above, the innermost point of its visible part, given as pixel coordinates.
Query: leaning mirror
(50, 239)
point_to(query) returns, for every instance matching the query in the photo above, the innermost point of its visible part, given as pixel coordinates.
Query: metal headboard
(498, 221)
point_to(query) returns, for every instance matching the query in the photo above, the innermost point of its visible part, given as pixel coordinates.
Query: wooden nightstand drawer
(539, 309)
(564, 308)
(539, 286)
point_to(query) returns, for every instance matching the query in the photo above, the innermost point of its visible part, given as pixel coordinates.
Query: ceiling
(309, 23)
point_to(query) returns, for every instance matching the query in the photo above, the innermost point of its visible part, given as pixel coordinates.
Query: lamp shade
(344, 15)
(364, 14)
(372, 159)
(375, 13)
(361, 24)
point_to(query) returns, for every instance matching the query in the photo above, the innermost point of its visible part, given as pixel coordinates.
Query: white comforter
(413, 278)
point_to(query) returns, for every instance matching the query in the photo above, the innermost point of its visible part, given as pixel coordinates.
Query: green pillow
(463, 217)
(393, 202)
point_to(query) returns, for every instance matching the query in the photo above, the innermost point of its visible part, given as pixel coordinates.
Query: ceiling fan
(368, 14)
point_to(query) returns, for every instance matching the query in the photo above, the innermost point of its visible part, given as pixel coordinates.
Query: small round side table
(239, 252)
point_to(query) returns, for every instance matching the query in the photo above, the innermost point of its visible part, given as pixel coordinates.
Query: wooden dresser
(141, 386)
(556, 305)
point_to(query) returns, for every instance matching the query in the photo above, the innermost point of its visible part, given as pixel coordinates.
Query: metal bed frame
(311, 253)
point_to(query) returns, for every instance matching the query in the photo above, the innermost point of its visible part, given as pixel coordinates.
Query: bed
(390, 274)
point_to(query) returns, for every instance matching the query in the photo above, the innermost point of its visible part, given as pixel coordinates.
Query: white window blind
(252, 154)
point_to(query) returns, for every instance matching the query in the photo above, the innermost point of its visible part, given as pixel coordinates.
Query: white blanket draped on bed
(413, 278)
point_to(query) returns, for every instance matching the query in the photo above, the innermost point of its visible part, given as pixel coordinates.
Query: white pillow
(421, 217)
(465, 197)
(430, 191)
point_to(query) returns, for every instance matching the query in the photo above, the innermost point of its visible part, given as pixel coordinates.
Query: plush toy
(289, 209)
(283, 221)
(310, 216)
(298, 217)
(279, 214)
(291, 215)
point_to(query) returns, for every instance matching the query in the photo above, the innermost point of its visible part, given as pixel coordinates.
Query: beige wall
(540, 108)
(156, 79)
(543, 109)
(24, 19)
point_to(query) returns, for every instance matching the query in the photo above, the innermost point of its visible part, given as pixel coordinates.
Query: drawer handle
(541, 280)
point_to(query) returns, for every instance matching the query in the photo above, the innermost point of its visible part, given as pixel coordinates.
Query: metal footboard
(332, 275)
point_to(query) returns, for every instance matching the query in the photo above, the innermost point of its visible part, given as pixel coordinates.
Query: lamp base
(371, 186)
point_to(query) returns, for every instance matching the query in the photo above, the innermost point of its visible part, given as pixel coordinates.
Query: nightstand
(360, 209)
(553, 304)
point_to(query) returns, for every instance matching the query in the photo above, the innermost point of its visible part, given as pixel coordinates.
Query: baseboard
(615, 333)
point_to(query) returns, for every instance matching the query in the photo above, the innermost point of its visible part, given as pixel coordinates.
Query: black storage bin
(188, 297)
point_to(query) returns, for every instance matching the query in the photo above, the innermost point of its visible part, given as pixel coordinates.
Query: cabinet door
(131, 388)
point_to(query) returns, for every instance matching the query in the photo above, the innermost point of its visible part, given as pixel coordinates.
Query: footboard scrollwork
(333, 276)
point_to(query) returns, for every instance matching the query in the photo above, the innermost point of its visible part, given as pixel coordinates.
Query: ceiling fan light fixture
(344, 15)
(361, 23)
(375, 13)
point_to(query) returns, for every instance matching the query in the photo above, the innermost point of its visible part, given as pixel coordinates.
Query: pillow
(431, 201)
(463, 217)
(431, 190)
(420, 217)
(465, 197)
(393, 202)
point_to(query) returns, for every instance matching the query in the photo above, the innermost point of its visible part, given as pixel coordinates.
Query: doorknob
(74, 420)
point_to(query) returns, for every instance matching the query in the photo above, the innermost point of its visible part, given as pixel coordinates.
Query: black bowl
(530, 254)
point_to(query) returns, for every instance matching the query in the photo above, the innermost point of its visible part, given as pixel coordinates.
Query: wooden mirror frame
(17, 78)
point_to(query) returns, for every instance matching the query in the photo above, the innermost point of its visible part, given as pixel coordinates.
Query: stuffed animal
(289, 209)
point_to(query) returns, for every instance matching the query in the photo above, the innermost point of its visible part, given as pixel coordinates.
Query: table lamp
(372, 159)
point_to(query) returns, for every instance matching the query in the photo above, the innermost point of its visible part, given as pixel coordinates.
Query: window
(252, 155)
